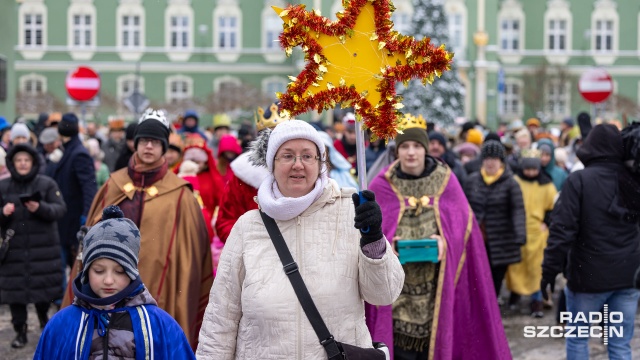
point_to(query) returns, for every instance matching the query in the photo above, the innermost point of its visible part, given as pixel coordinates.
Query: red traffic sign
(82, 84)
(595, 85)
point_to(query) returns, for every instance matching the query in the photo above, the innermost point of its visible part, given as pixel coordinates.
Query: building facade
(206, 55)
(524, 58)
(516, 58)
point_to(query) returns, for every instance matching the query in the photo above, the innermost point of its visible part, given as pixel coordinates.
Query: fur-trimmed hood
(245, 170)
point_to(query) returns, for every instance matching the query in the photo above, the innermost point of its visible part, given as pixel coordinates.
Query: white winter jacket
(253, 312)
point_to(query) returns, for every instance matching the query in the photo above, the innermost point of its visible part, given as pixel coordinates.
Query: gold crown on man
(409, 121)
(531, 153)
(270, 122)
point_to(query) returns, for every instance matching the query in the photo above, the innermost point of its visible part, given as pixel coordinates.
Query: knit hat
(19, 130)
(48, 136)
(474, 136)
(492, 136)
(434, 135)
(290, 130)
(114, 237)
(3, 123)
(130, 132)
(492, 150)
(416, 134)
(545, 148)
(153, 124)
(69, 125)
(533, 122)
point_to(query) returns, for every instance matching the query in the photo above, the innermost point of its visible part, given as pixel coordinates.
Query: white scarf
(283, 208)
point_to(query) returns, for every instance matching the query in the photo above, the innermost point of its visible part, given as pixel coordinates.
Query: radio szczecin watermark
(598, 325)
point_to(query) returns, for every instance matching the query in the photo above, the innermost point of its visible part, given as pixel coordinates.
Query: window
(82, 30)
(272, 26)
(179, 31)
(557, 98)
(557, 35)
(127, 83)
(510, 34)
(226, 82)
(33, 84)
(3, 79)
(272, 85)
(179, 88)
(131, 31)
(455, 30)
(227, 32)
(604, 35)
(558, 31)
(33, 30)
(604, 31)
(456, 11)
(512, 99)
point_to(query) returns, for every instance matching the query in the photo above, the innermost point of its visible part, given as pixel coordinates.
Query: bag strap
(309, 307)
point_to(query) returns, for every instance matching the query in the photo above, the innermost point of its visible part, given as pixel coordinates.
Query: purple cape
(467, 322)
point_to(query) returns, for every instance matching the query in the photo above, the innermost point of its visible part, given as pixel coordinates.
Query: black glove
(547, 281)
(368, 215)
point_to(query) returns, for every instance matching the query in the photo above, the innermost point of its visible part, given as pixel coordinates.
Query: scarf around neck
(283, 208)
(490, 179)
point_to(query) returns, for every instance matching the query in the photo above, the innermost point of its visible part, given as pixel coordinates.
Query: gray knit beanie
(114, 237)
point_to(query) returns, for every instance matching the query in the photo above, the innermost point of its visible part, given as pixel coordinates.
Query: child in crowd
(113, 314)
(538, 193)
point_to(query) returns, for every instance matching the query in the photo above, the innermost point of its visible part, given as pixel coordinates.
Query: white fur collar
(248, 173)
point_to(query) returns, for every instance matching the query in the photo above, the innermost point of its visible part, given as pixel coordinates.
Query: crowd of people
(147, 236)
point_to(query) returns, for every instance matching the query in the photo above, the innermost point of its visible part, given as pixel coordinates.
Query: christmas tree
(442, 101)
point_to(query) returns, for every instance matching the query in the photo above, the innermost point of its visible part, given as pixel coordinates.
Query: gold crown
(410, 121)
(194, 140)
(530, 153)
(275, 118)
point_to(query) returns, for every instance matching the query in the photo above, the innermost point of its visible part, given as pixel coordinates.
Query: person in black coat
(30, 271)
(127, 151)
(75, 175)
(496, 200)
(594, 239)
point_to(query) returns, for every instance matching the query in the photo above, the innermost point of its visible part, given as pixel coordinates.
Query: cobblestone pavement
(514, 321)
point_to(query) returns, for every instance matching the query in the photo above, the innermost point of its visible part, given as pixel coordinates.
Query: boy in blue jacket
(113, 315)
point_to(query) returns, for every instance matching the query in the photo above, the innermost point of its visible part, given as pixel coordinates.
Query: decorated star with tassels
(356, 61)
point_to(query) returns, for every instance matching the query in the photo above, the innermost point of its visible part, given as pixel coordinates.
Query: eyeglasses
(306, 159)
(153, 142)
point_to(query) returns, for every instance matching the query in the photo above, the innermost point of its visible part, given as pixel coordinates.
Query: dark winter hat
(492, 136)
(68, 126)
(434, 135)
(130, 133)
(153, 124)
(584, 122)
(114, 237)
(492, 150)
(416, 134)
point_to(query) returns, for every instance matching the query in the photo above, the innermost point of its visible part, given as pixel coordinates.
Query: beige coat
(253, 312)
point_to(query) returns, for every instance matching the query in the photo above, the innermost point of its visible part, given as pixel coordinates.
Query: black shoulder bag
(335, 350)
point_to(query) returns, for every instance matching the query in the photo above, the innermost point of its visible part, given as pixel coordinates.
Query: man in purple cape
(466, 320)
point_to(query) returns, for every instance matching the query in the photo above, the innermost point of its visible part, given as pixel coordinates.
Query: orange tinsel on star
(422, 60)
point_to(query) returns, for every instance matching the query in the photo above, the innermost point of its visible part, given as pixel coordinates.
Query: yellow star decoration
(356, 61)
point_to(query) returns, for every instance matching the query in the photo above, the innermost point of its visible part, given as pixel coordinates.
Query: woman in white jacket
(253, 312)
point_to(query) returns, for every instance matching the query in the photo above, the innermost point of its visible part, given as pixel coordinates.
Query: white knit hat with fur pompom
(291, 130)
